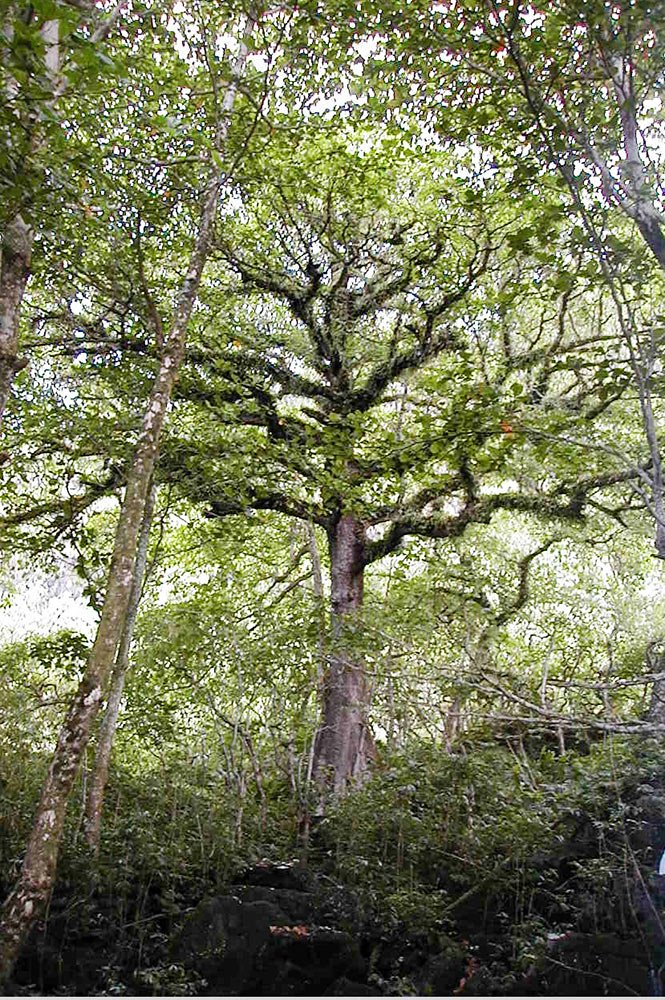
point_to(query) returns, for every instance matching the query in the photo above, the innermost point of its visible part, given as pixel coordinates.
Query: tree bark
(33, 887)
(344, 746)
(14, 273)
(95, 798)
(18, 236)
(655, 664)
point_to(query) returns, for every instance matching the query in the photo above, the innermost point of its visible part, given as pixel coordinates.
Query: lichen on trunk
(34, 884)
(95, 798)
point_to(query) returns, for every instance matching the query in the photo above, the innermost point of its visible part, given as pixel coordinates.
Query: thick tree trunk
(97, 787)
(33, 887)
(344, 746)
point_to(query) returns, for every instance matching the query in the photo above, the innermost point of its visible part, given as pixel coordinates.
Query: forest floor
(455, 884)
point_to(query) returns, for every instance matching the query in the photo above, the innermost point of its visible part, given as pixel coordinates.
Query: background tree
(45, 54)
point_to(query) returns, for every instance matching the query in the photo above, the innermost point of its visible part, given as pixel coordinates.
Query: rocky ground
(281, 930)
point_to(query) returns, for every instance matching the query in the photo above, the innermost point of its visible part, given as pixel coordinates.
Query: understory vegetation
(494, 835)
(500, 850)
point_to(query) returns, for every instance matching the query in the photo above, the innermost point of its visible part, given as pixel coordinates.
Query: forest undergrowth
(500, 854)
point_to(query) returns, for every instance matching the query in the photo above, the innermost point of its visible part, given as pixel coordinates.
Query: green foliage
(39, 674)
(171, 981)
(477, 846)
(428, 305)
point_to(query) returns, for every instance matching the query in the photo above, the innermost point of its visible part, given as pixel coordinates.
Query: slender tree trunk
(14, 273)
(655, 663)
(97, 787)
(15, 257)
(656, 710)
(344, 746)
(18, 236)
(319, 603)
(33, 887)
(319, 610)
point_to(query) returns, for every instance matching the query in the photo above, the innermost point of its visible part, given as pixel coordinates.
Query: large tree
(385, 346)
(394, 364)
(153, 215)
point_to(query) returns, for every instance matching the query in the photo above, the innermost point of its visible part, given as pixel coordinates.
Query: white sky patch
(42, 603)
(79, 306)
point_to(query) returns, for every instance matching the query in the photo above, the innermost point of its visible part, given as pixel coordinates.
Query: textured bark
(636, 198)
(33, 887)
(15, 256)
(14, 273)
(344, 746)
(18, 236)
(97, 787)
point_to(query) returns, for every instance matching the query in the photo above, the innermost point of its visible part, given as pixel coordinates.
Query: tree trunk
(33, 887)
(655, 663)
(344, 746)
(17, 238)
(18, 235)
(95, 799)
(14, 272)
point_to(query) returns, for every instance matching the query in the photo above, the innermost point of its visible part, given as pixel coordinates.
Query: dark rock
(306, 961)
(337, 905)
(647, 835)
(222, 938)
(344, 987)
(280, 876)
(248, 943)
(594, 965)
(444, 972)
(300, 907)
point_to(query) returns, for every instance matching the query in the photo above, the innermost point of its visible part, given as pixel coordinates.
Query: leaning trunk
(34, 885)
(344, 746)
(95, 799)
